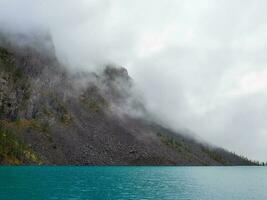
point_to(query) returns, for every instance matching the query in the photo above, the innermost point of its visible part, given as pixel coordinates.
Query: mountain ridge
(53, 117)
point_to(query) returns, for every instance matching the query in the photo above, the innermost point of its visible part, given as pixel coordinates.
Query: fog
(201, 65)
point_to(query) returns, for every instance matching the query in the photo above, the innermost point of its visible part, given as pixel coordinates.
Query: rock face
(50, 116)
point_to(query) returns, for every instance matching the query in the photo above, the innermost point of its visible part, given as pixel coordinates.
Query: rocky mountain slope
(51, 116)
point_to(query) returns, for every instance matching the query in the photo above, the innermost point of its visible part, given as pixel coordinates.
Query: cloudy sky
(201, 65)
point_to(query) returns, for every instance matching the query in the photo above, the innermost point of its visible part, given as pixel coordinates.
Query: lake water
(157, 183)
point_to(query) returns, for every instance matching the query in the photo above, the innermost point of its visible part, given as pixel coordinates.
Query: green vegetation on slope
(6, 63)
(94, 105)
(57, 109)
(12, 150)
(13, 81)
(214, 155)
(172, 143)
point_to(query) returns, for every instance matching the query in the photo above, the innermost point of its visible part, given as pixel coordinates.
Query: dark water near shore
(157, 183)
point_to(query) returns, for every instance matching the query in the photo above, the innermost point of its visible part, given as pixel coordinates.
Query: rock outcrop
(50, 116)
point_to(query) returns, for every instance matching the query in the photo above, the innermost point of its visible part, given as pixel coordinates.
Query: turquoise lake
(157, 183)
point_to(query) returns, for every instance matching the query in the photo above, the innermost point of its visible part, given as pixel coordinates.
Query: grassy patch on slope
(12, 150)
(170, 142)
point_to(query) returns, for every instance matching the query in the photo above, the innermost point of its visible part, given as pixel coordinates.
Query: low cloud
(200, 65)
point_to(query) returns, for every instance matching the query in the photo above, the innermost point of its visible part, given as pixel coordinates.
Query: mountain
(49, 115)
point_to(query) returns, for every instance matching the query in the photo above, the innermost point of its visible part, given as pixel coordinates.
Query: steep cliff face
(51, 116)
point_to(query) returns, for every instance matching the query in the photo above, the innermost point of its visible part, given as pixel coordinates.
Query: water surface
(157, 183)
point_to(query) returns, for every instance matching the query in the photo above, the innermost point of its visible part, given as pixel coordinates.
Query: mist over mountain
(199, 68)
(50, 115)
